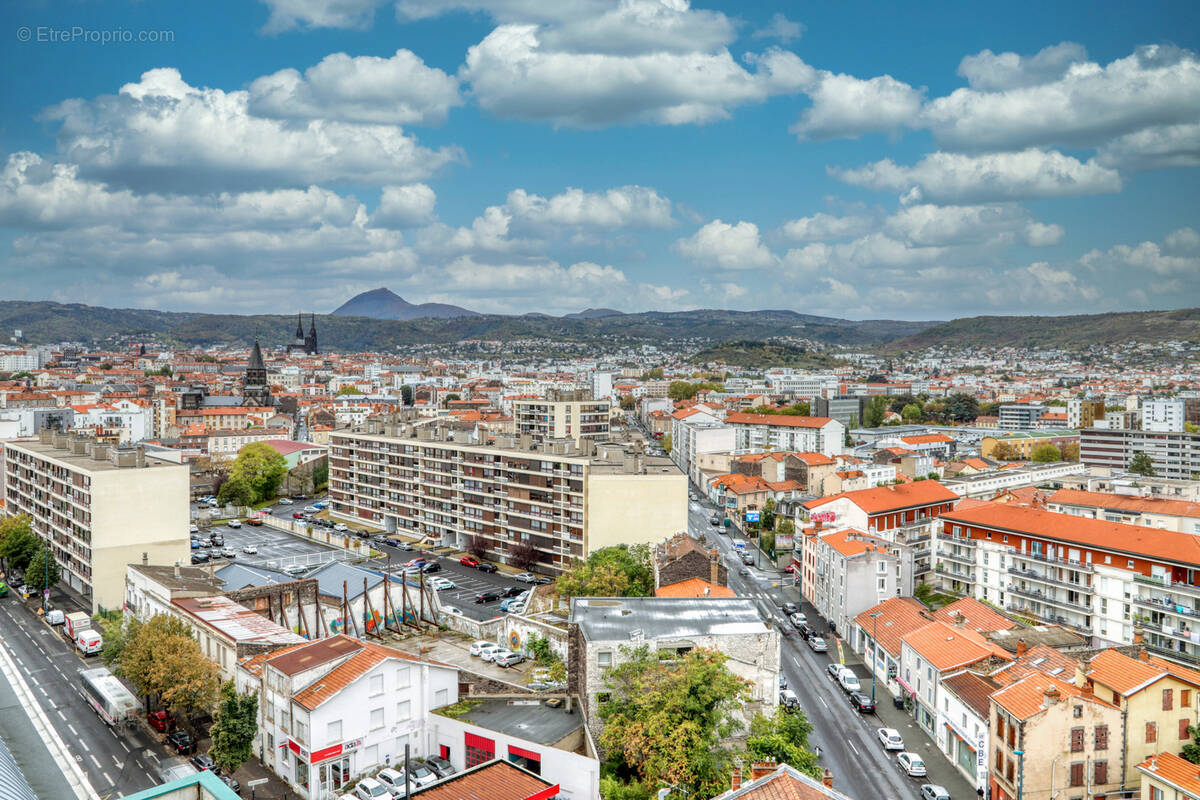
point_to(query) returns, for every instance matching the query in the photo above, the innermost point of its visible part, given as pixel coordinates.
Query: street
(116, 763)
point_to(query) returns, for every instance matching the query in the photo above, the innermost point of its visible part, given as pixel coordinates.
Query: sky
(861, 160)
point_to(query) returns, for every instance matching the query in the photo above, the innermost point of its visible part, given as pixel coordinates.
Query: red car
(416, 562)
(790, 568)
(298, 515)
(161, 721)
(467, 561)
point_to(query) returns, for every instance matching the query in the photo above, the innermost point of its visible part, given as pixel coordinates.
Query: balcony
(1166, 605)
(1049, 599)
(1033, 575)
(960, 558)
(1188, 657)
(1058, 562)
(1167, 585)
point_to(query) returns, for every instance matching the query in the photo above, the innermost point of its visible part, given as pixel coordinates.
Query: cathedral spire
(299, 327)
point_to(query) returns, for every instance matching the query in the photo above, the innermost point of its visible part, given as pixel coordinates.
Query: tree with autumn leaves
(160, 657)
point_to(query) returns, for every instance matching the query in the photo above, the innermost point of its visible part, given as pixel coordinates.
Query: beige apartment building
(563, 498)
(562, 414)
(100, 507)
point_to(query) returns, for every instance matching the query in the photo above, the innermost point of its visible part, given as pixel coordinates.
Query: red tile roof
(1122, 674)
(948, 647)
(778, 420)
(1121, 502)
(926, 438)
(978, 616)
(1172, 769)
(897, 616)
(1027, 697)
(693, 587)
(495, 780)
(884, 499)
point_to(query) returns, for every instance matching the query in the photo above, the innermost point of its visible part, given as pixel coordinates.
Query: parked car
(431, 566)
(862, 703)
(393, 779)
(512, 591)
(849, 681)
(161, 721)
(790, 608)
(229, 552)
(311, 509)
(439, 584)
(834, 670)
(818, 645)
(234, 523)
(370, 789)
(543, 581)
(341, 527)
(748, 559)
(321, 505)
(513, 604)
(196, 544)
(478, 647)
(932, 791)
(181, 742)
(193, 529)
(716, 521)
(255, 522)
(250, 549)
(441, 766)
(492, 655)
(231, 782)
(469, 561)
(798, 620)
(285, 501)
(525, 577)
(485, 567)
(508, 659)
(202, 762)
(489, 596)
(890, 738)
(788, 699)
(806, 631)
(405, 546)
(421, 774)
(415, 562)
(912, 764)
(297, 515)
(199, 558)
(452, 610)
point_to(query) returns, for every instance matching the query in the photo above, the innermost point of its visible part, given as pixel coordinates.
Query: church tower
(310, 341)
(255, 390)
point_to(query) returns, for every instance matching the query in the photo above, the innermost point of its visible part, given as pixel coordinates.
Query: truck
(89, 642)
(76, 623)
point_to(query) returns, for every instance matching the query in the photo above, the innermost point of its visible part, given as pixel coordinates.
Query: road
(116, 763)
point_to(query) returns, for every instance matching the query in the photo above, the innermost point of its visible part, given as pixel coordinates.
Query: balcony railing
(1048, 599)
(1074, 564)
(1034, 575)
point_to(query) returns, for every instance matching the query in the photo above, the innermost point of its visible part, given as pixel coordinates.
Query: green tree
(688, 697)
(875, 411)
(849, 440)
(261, 467)
(450, 398)
(1045, 453)
(682, 390)
(42, 572)
(627, 402)
(783, 738)
(118, 632)
(1191, 750)
(618, 571)
(613, 788)
(406, 394)
(1141, 464)
(235, 722)
(161, 658)
(911, 411)
(768, 514)
(348, 389)
(665, 443)
(1005, 451)
(320, 474)
(236, 491)
(1070, 451)
(655, 374)
(19, 544)
(962, 407)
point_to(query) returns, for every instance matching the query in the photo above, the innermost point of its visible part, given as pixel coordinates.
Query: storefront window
(334, 774)
(301, 772)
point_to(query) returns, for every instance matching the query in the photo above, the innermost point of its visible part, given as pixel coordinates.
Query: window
(604, 658)
(1076, 778)
(1168, 699)
(999, 760)
(403, 710)
(1151, 732)
(1156, 793)
(1100, 773)
(403, 677)
(371, 754)
(333, 731)
(1185, 698)
(1000, 727)
(1078, 711)
(376, 685)
(1076, 740)
(883, 584)
(1183, 728)
(1101, 737)
(376, 720)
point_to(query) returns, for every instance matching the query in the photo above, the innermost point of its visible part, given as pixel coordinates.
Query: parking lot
(276, 548)
(468, 581)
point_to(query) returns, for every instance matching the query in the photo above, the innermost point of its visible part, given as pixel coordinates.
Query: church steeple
(299, 328)
(310, 341)
(255, 390)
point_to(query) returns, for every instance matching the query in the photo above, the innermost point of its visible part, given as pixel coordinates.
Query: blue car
(321, 505)
(512, 604)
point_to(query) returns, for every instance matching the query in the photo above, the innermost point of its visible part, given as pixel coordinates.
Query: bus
(108, 696)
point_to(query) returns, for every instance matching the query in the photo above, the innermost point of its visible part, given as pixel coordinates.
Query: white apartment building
(1174, 454)
(133, 423)
(562, 414)
(100, 508)
(697, 432)
(333, 711)
(1154, 511)
(785, 432)
(563, 499)
(801, 384)
(855, 571)
(1163, 414)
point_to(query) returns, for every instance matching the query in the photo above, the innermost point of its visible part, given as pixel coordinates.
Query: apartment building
(562, 414)
(854, 571)
(1020, 416)
(101, 508)
(787, 432)
(1163, 414)
(1084, 413)
(1173, 454)
(563, 499)
(1155, 511)
(1099, 578)
(850, 410)
(695, 433)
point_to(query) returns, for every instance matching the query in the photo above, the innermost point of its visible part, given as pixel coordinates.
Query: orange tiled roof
(370, 656)
(495, 780)
(1122, 674)
(1177, 671)
(1027, 697)
(1120, 502)
(778, 420)
(898, 616)
(892, 498)
(926, 438)
(1040, 658)
(742, 484)
(949, 646)
(1170, 768)
(693, 587)
(978, 616)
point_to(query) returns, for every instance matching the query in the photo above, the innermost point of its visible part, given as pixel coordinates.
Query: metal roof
(611, 618)
(13, 785)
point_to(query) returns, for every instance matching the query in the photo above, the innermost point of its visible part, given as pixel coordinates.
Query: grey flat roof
(531, 720)
(603, 619)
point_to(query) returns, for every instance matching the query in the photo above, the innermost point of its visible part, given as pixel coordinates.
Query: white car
(890, 738)
(340, 527)
(295, 569)
(439, 584)
(370, 789)
(452, 610)
(912, 764)
(393, 779)
(478, 647)
(849, 681)
(285, 501)
(311, 509)
(491, 655)
(250, 549)
(525, 577)
(228, 552)
(195, 529)
(233, 523)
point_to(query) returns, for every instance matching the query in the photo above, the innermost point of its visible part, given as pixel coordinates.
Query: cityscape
(600, 400)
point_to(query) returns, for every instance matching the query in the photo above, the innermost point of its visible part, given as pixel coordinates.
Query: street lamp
(874, 650)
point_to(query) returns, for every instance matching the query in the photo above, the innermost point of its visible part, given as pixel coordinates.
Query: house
(548, 741)
(884, 508)
(494, 780)
(878, 634)
(768, 781)
(682, 557)
(693, 587)
(334, 710)
(604, 631)
(854, 571)
(964, 717)
(1166, 776)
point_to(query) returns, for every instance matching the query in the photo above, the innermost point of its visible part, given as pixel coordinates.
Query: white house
(335, 710)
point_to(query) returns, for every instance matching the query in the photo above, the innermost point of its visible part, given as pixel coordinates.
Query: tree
(912, 411)
(235, 722)
(42, 572)
(406, 394)
(1141, 464)
(476, 546)
(665, 443)
(262, 467)
(1070, 451)
(320, 474)
(160, 657)
(19, 544)
(236, 491)
(1191, 750)
(618, 571)
(849, 440)
(348, 389)
(522, 555)
(1005, 451)
(962, 407)
(688, 697)
(655, 374)
(874, 413)
(768, 514)
(1046, 453)
(118, 632)
(627, 402)
(452, 397)
(783, 738)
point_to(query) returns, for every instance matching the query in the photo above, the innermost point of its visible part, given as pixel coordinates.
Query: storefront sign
(297, 749)
(333, 751)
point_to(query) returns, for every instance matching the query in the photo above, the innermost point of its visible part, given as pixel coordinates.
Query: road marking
(61, 715)
(111, 782)
(822, 699)
(95, 761)
(124, 745)
(852, 747)
(71, 728)
(83, 744)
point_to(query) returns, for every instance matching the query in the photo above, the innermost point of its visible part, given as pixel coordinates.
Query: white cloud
(290, 14)
(990, 72)
(823, 226)
(1038, 234)
(404, 206)
(1180, 256)
(399, 90)
(161, 133)
(1184, 241)
(875, 250)
(957, 178)
(1162, 147)
(1090, 104)
(621, 207)
(846, 106)
(999, 224)
(781, 28)
(719, 244)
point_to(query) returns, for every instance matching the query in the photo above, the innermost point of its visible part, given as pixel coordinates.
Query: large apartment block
(101, 508)
(564, 499)
(1174, 454)
(562, 414)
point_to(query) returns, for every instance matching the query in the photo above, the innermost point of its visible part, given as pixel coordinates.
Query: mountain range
(383, 303)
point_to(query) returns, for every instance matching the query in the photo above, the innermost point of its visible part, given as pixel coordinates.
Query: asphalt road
(468, 581)
(275, 547)
(116, 763)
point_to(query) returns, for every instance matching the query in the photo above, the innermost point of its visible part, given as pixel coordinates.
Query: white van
(89, 642)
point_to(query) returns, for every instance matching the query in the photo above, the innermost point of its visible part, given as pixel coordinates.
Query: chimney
(714, 568)
(1080, 677)
(1138, 635)
(736, 782)
(960, 620)
(1143, 655)
(827, 779)
(761, 769)
(1022, 647)
(1052, 695)
(178, 571)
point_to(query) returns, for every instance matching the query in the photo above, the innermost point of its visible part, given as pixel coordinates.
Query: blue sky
(912, 161)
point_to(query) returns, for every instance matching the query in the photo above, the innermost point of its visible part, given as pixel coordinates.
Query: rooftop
(1170, 768)
(610, 618)
(777, 420)
(495, 780)
(181, 579)
(883, 499)
(531, 719)
(236, 621)
(1123, 502)
(693, 587)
